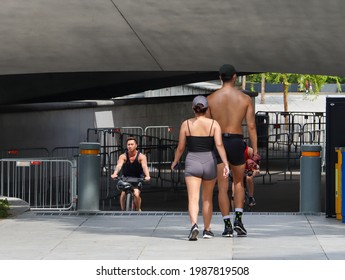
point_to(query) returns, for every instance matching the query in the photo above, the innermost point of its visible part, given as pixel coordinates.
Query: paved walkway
(163, 236)
(77, 244)
(276, 231)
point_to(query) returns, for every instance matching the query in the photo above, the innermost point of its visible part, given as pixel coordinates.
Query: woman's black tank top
(200, 143)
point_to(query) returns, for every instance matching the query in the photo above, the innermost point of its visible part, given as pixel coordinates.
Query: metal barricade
(65, 152)
(24, 152)
(161, 132)
(277, 119)
(281, 135)
(45, 183)
(135, 130)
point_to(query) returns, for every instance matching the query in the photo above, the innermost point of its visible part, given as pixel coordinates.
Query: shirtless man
(230, 107)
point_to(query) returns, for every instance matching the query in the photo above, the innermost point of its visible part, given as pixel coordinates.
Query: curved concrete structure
(77, 49)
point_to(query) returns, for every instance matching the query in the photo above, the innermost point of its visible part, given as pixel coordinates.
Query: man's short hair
(226, 72)
(132, 138)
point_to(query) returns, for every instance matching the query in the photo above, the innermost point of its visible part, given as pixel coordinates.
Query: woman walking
(200, 135)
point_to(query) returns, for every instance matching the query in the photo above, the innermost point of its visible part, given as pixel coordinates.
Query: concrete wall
(44, 129)
(47, 127)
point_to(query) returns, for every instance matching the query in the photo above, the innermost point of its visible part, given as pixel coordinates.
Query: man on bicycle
(133, 164)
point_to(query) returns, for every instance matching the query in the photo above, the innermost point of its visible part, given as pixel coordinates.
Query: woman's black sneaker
(207, 234)
(194, 231)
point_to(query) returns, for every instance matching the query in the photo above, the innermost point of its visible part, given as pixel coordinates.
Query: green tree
(317, 81)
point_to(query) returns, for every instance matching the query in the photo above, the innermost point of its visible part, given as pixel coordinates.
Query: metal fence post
(310, 179)
(89, 176)
(74, 184)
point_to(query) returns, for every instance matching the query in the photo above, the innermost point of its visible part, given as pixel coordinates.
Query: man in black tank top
(133, 164)
(132, 169)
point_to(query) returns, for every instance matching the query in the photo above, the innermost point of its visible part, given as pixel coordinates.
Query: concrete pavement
(276, 231)
(297, 102)
(163, 236)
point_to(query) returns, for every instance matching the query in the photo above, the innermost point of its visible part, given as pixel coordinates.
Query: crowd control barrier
(44, 183)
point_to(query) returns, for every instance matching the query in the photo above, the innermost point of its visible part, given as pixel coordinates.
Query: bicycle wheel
(128, 202)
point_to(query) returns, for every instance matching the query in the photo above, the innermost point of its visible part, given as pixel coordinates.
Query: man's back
(229, 107)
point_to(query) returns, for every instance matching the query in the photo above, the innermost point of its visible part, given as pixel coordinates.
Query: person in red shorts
(252, 169)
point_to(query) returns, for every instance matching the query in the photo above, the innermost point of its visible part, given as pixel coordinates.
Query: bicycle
(125, 184)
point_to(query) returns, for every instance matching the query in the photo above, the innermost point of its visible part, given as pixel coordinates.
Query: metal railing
(24, 152)
(45, 183)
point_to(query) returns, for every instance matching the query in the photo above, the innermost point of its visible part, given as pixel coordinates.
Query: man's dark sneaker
(207, 234)
(228, 232)
(239, 228)
(194, 231)
(252, 201)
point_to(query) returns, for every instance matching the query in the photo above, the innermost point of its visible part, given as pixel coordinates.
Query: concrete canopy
(85, 49)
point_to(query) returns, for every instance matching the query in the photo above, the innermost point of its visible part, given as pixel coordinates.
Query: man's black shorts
(234, 148)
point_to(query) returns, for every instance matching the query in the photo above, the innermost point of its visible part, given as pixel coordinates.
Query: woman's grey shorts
(201, 164)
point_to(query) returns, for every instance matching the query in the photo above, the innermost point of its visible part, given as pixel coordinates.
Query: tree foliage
(303, 80)
(316, 80)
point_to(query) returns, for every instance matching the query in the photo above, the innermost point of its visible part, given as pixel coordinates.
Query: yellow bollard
(338, 183)
(342, 186)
